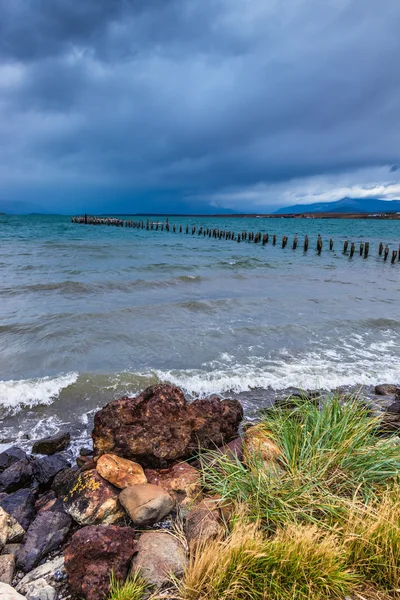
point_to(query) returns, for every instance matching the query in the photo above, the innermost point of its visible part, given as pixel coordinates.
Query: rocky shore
(66, 528)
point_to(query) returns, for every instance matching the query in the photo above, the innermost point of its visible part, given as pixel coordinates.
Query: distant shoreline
(391, 216)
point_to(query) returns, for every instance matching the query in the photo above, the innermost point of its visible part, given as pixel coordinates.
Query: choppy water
(90, 313)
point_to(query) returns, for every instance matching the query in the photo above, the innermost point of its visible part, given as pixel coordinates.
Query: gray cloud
(185, 99)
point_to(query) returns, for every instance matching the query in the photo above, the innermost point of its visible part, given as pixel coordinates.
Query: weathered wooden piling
(345, 246)
(331, 244)
(274, 240)
(352, 249)
(306, 243)
(284, 241)
(319, 244)
(366, 250)
(361, 248)
(386, 253)
(294, 242)
(380, 249)
(394, 256)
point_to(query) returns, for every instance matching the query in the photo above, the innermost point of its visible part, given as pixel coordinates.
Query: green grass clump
(134, 588)
(328, 456)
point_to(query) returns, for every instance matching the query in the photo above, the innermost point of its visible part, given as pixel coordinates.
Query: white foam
(17, 394)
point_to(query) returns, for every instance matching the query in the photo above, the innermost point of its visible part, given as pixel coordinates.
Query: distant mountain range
(345, 205)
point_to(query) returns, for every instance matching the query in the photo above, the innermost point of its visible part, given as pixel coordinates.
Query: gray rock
(52, 445)
(146, 503)
(9, 593)
(157, 556)
(64, 481)
(48, 572)
(386, 389)
(10, 456)
(45, 469)
(16, 476)
(47, 533)
(7, 568)
(202, 523)
(11, 549)
(21, 505)
(40, 590)
(394, 408)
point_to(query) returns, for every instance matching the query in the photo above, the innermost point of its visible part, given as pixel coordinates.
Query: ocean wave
(27, 393)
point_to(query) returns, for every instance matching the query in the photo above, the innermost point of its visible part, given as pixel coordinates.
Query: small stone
(52, 444)
(7, 568)
(202, 523)
(157, 556)
(386, 389)
(119, 471)
(146, 504)
(47, 533)
(86, 452)
(45, 469)
(20, 505)
(93, 554)
(9, 593)
(181, 481)
(10, 529)
(394, 408)
(93, 500)
(46, 572)
(40, 590)
(18, 475)
(10, 456)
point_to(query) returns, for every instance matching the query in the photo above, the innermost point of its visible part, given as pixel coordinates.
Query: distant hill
(345, 205)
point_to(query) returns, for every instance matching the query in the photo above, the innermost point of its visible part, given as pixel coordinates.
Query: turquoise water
(89, 313)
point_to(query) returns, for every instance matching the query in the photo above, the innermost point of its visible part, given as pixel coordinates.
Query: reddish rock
(93, 554)
(181, 481)
(159, 427)
(203, 523)
(119, 471)
(92, 500)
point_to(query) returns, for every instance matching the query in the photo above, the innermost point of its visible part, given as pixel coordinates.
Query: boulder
(158, 555)
(10, 456)
(181, 481)
(20, 505)
(146, 504)
(40, 590)
(46, 533)
(64, 481)
(159, 427)
(7, 568)
(9, 593)
(93, 554)
(48, 573)
(10, 529)
(18, 475)
(52, 444)
(93, 500)
(45, 469)
(203, 523)
(394, 409)
(119, 471)
(386, 389)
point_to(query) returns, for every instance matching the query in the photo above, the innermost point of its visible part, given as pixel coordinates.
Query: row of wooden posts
(348, 247)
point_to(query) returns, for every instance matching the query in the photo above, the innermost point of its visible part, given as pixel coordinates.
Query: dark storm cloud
(196, 99)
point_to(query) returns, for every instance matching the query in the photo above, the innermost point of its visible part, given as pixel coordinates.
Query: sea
(91, 313)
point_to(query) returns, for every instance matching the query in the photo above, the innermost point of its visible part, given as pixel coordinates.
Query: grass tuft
(134, 588)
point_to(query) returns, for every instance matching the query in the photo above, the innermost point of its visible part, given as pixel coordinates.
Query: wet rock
(46, 533)
(157, 556)
(202, 523)
(181, 481)
(7, 568)
(64, 481)
(146, 504)
(159, 427)
(20, 505)
(11, 549)
(11, 456)
(119, 471)
(9, 593)
(386, 389)
(93, 500)
(10, 529)
(85, 463)
(86, 452)
(93, 554)
(52, 444)
(393, 409)
(47, 573)
(16, 476)
(46, 468)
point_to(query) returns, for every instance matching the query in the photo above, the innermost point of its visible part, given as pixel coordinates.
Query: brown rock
(7, 568)
(159, 427)
(146, 504)
(203, 523)
(119, 471)
(93, 554)
(386, 389)
(181, 481)
(92, 500)
(258, 444)
(158, 555)
(11, 549)
(10, 529)
(52, 444)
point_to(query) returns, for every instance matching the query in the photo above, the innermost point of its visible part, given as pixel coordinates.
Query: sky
(197, 105)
